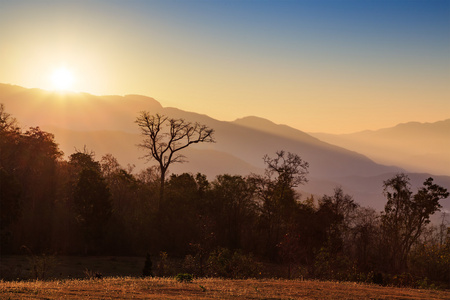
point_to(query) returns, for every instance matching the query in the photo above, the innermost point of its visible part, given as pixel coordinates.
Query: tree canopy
(227, 226)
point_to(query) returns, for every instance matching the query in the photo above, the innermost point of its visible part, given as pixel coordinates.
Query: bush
(184, 277)
(196, 263)
(92, 274)
(148, 265)
(219, 263)
(244, 265)
(404, 279)
(192, 265)
(432, 261)
(41, 265)
(164, 267)
(328, 265)
(224, 263)
(424, 284)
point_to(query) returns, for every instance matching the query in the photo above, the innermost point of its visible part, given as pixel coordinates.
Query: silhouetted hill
(419, 147)
(105, 124)
(75, 111)
(270, 127)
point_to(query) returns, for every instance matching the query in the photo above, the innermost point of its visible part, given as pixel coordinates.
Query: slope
(105, 124)
(418, 147)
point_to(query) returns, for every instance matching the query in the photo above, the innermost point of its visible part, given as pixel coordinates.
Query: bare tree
(290, 168)
(165, 137)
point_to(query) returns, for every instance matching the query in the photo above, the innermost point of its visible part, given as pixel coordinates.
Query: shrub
(163, 268)
(40, 265)
(196, 263)
(224, 263)
(328, 265)
(402, 280)
(424, 284)
(184, 277)
(92, 274)
(147, 271)
(219, 263)
(431, 261)
(191, 265)
(244, 265)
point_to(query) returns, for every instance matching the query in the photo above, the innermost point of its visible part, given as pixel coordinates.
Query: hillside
(74, 111)
(105, 124)
(418, 147)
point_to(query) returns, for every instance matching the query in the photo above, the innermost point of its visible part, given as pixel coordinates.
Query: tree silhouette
(275, 190)
(233, 208)
(165, 137)
(405, 215)
(10, 188)
(10, 191)
(92, 197)
(337, 212)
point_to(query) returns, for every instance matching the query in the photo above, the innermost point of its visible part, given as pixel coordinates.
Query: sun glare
(62, 79)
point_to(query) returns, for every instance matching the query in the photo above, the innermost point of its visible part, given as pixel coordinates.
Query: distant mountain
(75, 111)
(105, 124)
(418, 147)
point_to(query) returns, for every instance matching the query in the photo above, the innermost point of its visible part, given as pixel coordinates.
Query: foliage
(40, 265)
(227, 264)
(277, 199)
(405, 216)
(184, 277)
(90, 274)
(28, 185)
(81, 206)
(92, 198)
(233, 209)
(338, 211)
(163, 267)
(192, 265)
(431, 262)
(331, 265)
(10, 191)
(365, 236)
(148, 267)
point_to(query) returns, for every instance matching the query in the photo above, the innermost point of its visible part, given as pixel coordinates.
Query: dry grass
(168, 288)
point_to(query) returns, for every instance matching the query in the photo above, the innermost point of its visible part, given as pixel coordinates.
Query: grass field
(67, 280)
(203, 288)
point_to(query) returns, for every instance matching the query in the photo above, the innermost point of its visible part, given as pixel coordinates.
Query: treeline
(224, 227)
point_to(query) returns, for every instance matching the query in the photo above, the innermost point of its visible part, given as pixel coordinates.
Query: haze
(318, 66)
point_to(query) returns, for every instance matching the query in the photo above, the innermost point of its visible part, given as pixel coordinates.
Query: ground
(204, 288)
(66, 278)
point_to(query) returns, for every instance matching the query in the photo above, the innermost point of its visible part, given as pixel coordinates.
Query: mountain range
(105, 124)
(418, 147)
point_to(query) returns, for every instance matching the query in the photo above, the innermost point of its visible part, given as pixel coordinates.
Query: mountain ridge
(419, 147)
(106, 124)
(397, 126)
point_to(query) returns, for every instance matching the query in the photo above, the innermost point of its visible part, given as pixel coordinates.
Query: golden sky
(319, 66)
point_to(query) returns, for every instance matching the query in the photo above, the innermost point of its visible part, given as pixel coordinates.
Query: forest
(230, 226)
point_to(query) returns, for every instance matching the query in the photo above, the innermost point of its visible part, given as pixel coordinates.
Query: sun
(62, 79)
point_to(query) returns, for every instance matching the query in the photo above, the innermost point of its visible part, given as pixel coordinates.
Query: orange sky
(329, 66)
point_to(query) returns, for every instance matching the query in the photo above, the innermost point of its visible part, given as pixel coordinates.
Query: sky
(335, 66)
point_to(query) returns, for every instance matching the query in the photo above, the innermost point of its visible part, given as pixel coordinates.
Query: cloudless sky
(332, 66)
